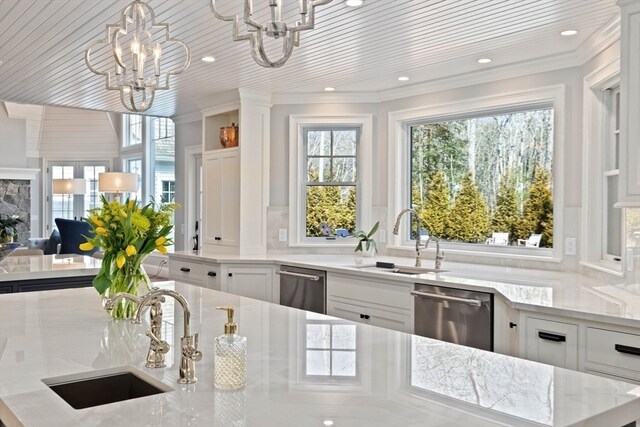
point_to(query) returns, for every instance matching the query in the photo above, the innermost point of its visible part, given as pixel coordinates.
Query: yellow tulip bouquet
(127, 232)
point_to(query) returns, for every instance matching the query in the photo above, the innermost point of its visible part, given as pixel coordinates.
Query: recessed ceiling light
(569, 32)
(208, 59)
(403, 78)
(329, 89)
(354, 3)
(328, 423)
(484, 60)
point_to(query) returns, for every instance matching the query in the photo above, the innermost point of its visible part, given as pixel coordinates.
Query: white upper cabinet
(629, 190)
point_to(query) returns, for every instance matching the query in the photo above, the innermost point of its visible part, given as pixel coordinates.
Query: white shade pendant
(246, 28)
(135, 47)
(117, 182)
(69, 186)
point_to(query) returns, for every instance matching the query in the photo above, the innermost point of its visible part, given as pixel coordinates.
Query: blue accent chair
(71, 236)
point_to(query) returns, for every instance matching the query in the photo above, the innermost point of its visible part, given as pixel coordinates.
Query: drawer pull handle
(211, 274)
(230, 274)
(627, 349)
(364, 316)
(551, 337)
(185, 269)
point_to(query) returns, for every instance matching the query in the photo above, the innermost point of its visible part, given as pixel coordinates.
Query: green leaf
(373, 230)
(101, 283)
(359, 247)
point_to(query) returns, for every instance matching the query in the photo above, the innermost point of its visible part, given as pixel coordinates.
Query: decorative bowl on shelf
(7, 248)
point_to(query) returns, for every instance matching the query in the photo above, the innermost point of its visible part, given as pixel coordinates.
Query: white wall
(13, 140)
(571, 78)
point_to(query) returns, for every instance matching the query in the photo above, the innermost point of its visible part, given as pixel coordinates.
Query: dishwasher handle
(304, 276)
(470, 301)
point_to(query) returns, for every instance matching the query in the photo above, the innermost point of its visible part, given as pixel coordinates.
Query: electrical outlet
(382, 236)
(570, 246)
(282, 235)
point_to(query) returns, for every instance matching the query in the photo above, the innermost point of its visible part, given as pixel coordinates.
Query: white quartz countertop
(304, 369)
(46, 266)
(568, 294)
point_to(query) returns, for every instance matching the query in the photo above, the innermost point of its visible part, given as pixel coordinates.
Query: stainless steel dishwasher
(454, 315)
(303, 288)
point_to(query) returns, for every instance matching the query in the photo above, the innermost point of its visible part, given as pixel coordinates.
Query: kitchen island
(304, 369)
(45, 272)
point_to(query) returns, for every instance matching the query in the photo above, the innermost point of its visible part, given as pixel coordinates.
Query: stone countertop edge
(533, 278)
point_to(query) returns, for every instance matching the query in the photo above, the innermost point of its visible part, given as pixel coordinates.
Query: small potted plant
(8, 230)
(366, 243)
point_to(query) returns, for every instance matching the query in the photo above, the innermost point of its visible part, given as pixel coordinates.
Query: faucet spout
(167, 292)
(396, 229)
(439, 254)
(110, 303)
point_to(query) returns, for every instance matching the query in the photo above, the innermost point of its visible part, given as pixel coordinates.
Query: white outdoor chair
(498, 239)
(532, 242)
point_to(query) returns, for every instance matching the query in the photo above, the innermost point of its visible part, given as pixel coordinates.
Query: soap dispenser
(230, 371)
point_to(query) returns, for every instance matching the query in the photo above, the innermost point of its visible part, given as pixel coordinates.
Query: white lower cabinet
(552, 342)
(613, 353)
(250, 282)
(376, 303)
(187, 271)
(213, 277)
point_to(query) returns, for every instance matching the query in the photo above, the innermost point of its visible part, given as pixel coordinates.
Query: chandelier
(133, 62)
(275, 28)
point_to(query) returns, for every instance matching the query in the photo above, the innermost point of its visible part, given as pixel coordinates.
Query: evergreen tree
(468, 219)
(506, 215)
(537, 215)
(435, 211)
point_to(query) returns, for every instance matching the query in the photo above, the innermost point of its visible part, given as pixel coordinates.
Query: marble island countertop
(304, 369)
(47, 266)
(560, 293)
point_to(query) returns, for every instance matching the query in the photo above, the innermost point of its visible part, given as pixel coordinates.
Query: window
(168, 191)
(134, 165)
(70, 206)
(612, 248)
(164, 154)
(472, 177)
(449, 161)
(330, 181)
(132, 130)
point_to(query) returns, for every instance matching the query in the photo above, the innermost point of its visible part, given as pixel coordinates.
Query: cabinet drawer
(185, 271)
(551, 342)
(396, 296)
(617, 349)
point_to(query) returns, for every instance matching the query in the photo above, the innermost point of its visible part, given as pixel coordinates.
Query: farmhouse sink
(107, 386)
(398, 269)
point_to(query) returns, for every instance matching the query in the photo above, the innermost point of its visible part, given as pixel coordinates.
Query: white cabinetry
(250, 282)
(221, 200)
(376, 303)
(551, 342)
(236, 180)
(629, 194)
(613, 353)
(192, 272)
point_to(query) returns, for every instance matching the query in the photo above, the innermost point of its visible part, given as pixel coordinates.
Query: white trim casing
(398, 155)
(594, 133)
(191, 152)
(296, 172)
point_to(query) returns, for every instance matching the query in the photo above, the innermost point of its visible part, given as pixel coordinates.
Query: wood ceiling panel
(42, 44)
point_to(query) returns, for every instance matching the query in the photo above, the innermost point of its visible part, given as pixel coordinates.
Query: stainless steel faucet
(439, 255)
(157, 348)
(189, 343)
(396, 227)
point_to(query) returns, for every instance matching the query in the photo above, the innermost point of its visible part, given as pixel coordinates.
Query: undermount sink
(402, 269)
(96, 388)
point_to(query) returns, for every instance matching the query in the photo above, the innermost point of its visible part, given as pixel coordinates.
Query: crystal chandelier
(275, 28)
(132, 66)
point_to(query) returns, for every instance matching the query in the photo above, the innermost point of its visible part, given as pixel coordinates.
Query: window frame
(126, 132)
(399, 165)
(611, 168)
(298, 179)
(596, 119)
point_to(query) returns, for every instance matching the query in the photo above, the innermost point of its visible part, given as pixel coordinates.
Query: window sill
(329, 244)
(604, 267)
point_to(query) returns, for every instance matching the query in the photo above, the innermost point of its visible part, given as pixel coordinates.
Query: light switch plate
(570, 246)
(282, 235)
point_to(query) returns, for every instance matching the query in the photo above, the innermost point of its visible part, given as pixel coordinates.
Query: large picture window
(485, 179)
(132, 130)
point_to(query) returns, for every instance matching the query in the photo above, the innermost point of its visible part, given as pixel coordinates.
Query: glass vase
(132, 280)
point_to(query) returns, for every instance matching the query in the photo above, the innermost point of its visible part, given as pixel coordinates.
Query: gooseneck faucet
(439, 255)
(157, 348)
(189, 343)
(396, 228)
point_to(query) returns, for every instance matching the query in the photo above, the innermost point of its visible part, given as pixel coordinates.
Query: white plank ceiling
(364, 49)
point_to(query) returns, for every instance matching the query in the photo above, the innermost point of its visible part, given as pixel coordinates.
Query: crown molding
(187, 118)
(600, 40)
(26, 174)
